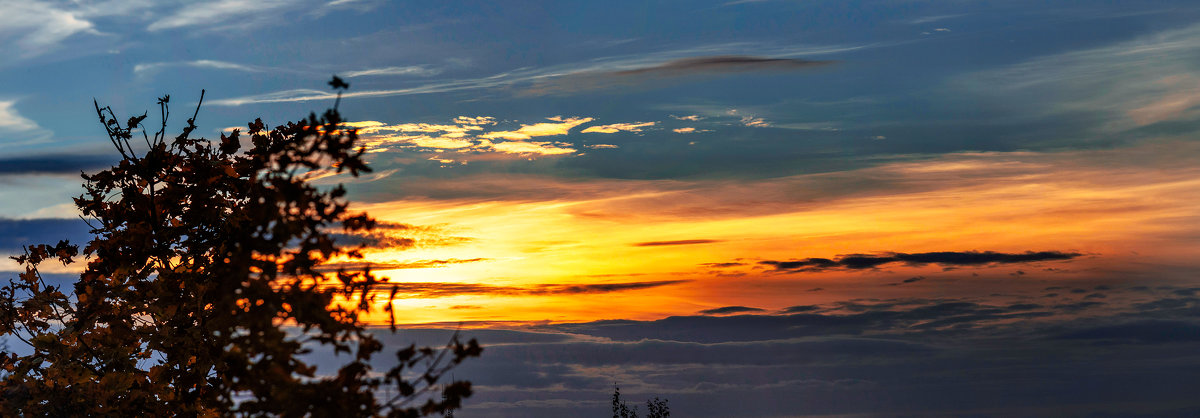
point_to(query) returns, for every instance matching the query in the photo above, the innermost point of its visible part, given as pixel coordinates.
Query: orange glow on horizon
(1012, 203)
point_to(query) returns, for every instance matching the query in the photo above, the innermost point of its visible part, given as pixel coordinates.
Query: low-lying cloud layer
(1060, 355)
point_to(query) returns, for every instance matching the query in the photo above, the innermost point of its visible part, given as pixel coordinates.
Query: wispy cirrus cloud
(600, 79)
(559, 79)
(619, 127)
(442, 290)
(720, 63)
(220, 13)
(38, 27)
(11, 120)
(413, 70)
(421, 264)
(755, 122)
(678, 242)
(153, 67)
(1113, 88)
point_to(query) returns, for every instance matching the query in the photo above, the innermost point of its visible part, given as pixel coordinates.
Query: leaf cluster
(202, 293)
(655, 408)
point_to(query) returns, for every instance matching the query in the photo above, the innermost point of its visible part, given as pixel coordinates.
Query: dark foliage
(655, 408)
(202, 291)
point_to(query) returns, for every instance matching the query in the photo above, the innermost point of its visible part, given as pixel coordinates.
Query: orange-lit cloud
(471, 134)
(560, 126)
(619, 127)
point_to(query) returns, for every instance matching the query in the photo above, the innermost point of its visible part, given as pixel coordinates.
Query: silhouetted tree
(202, 291)
(655, 408)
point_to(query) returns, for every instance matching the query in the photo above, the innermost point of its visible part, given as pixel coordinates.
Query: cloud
(721, 63)
(440, 290)
(394, 236)
(678, 242)
(723, 265)
(726, 310)
(374, 240)
(53, 164)
(737, 2)
(943, 258)
(10, 120)
(422, 264)
(153, 67)
(218, 14)
(474, 134)
(1110, 89)
(619, 127)
(800, 308)
(1183, 97)
(931, 19)
(15, 233)
(689, 118)
(573, 77)
(689, 130)
(754, 122)
(1139, 331)
(716, 64)
(40, 27)
(475, 120)
(858, 363)
(533, 148)
(560, 126)
(415, 70)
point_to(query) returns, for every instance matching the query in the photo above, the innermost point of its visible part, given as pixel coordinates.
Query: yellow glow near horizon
(1015, 207)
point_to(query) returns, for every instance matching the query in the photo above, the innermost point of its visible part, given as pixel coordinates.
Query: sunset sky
(752, 208)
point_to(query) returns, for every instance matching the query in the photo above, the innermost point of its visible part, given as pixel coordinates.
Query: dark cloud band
(54, 164)
(944, 258)
(719, 63)
(438, 290)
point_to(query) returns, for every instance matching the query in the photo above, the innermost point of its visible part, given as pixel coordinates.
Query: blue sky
(662, 193)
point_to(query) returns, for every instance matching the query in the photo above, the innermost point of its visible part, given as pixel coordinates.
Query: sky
(750, 208)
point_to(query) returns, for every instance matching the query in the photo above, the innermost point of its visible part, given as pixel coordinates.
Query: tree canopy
(203, 291)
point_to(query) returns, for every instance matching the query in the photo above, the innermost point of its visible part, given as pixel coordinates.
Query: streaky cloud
(727, 310)
(52, 164)
(422, 264)
(619, 127)
(413, 70)
(223, 14)
(671, 61)
(716, 64)
(153, 67)
(16, 233)
(439, 290)
(677, 242)
(11, 120)
(944, 258)
(721, 63)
